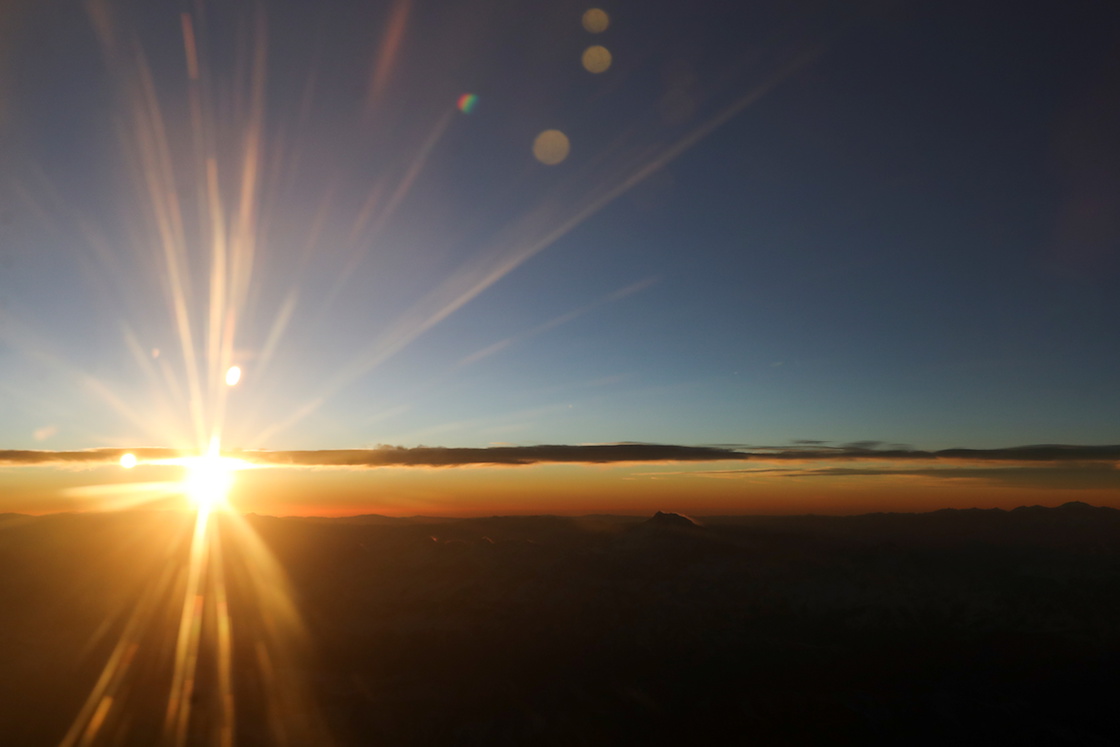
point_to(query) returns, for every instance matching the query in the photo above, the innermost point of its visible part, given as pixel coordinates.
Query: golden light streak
(97, 720)
(283, 641)
(116, 497)
(388, 51)
(165, 410)
(178, 714)
(111, 684)
(157, 174)
(218, 268)
(275, 333)
(189, 46)
(226, 704)
(16, 334)
(363, 234)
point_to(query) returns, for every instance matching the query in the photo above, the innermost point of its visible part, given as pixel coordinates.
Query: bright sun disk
(208, 480)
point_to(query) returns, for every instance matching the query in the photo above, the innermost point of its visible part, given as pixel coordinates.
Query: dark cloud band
(429, 456)
(426, 456)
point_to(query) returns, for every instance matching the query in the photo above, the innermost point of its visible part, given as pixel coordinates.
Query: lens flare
(596, 20)
(596, 59)
(551, 147)
(233, 375)
(467, 102)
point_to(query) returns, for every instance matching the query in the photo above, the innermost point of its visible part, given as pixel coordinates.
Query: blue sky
(890, 222)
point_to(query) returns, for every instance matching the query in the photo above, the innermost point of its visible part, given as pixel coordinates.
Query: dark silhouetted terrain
(954, 627)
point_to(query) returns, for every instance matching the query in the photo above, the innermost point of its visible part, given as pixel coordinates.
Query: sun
(208, 480)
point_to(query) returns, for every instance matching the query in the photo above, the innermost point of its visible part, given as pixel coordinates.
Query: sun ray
(111, 684)
(190, 629)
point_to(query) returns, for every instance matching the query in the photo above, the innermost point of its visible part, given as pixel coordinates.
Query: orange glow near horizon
(567, 489)
(578, 489)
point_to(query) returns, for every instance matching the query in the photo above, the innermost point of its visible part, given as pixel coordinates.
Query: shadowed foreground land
(971, 627)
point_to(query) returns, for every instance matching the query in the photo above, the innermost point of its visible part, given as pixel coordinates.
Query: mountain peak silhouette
(669, 520)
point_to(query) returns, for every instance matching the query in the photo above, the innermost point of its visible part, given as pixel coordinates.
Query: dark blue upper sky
(893, 221)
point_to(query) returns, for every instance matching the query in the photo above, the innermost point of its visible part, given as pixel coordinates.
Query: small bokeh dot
(596, 59)
(551, 147)
(596, 20)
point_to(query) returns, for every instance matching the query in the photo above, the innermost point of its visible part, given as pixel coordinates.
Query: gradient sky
(843, 222)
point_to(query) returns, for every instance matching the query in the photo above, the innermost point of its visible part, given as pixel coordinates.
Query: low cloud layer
(434, 456)
(87, 457)
(1105, 457)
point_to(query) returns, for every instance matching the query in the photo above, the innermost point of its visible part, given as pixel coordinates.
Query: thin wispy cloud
(1092, 475)
(866, 451)
(1056, 466)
